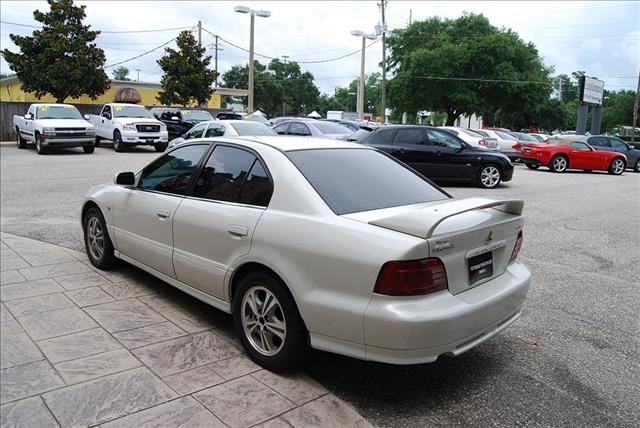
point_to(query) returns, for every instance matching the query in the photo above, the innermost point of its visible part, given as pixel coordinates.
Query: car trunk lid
(473, 237)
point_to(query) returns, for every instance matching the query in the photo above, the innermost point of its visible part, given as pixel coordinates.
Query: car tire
(118, 144)
(532, 166)
(41, 149)
(636, 167)
(97, 141)
(256, 328)
(160, 147)
(559, 163)
(96, 240)
(22, 143)
(88, 149)
(489, 176)
(617, 166)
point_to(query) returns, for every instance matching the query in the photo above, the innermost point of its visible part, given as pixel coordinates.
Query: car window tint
(387, 135)
(409, 136)
(215, 131)
(355, 180)
(443, 139)
(617, 144)
(257, 188)
(599, 141)
(483, 133)
(172, 172)
(223, 173)
(195, 132)
(248, 127)
(281, 129)
(297, 128)
(361, 134)
(579, 146)
(332, 128)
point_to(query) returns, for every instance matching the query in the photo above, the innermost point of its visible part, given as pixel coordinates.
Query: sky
(599, 37)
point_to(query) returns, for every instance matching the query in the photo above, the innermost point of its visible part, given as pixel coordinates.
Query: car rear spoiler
(415, 222)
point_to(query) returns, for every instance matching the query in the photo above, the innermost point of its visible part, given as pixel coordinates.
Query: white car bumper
(139, 138)
(414, 330)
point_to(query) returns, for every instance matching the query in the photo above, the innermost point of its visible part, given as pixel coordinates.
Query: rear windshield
(196, 115)
(355, 180)
(471, 133)
(332, 128)
(252, 128)
(506, 136)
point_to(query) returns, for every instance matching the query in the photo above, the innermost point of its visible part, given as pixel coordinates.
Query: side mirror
(184, 136)
(86, 117)
(28, 116)
(175, 118)
(125, 179)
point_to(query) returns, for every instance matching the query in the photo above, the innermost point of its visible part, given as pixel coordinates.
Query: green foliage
(61, 59)
(120, 73)
(467, 47)
(278, 89)
(618, 109)
(186, 78)
(347, 97)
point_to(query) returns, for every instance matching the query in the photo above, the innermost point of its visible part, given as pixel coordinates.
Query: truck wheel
(97, 142)
(118, 145)
(22, 143)
(41, 149)
(88, 149)
(160, 147)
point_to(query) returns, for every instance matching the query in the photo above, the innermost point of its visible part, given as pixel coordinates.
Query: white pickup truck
(52, 126)
(129, 125)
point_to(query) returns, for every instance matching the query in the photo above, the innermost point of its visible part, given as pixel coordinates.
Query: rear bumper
(418, 330)
(531, 161)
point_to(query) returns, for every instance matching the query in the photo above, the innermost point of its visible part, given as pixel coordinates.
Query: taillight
(411, 278)
(516, 146)
(483, 143)
(516, 249)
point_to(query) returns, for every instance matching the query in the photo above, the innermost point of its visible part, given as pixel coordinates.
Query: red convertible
(569, 154)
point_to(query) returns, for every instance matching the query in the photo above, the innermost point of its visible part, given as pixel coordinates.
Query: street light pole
(262, 14)
(364, 36)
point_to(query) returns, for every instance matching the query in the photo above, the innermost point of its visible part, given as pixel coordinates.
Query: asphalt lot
(571, 360)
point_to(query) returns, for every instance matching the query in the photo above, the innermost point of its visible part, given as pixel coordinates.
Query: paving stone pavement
(81, 347)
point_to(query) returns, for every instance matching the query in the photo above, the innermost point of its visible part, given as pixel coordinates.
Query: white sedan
(223, 128)
(471, 137)
(316, 243)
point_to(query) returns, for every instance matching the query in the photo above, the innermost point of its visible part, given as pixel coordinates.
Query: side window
(257, 188)
(215, 131)
(443, 139)
(172, 172)
(617, 144)
(281, 129)
(195, 132)
(32, 111)
(297, 128)
(106, 112)
(599, 141)
(223, 174)
(579, 146)
(387, 135)
(409, 136)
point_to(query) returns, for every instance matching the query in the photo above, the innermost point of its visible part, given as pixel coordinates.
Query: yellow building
(11, 91)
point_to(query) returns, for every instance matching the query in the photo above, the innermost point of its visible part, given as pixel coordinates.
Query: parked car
(508, 143)
(613, 144)
(439, 155)
(179, 120)
(543, 138)
(473, 138)
(129, 125)
(228, 115)
(354, 125)
(227, 128)
(570, 154)
(278, 120)
(51, 126)
(378, 263)
(313, 128)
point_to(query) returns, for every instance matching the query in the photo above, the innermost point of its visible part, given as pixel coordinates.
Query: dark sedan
(613, 144)
(439, 155)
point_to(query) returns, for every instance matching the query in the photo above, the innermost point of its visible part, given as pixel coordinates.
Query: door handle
(402, 151)
(439, 153)
(238, 231)
(163, 214)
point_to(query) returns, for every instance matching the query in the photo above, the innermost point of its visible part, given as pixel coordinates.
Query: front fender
(103, 196)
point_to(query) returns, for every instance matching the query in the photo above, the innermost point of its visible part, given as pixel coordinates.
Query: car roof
(52, 104)
(291, 143)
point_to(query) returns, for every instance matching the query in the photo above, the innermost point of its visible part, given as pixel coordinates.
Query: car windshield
(332, 128)
(506, 136)
(196, 115)
(252, 128)
(355, 180)
(132, 111)
(57, 112)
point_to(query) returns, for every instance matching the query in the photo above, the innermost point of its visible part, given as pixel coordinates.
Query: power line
(157, 30)
(142, 54)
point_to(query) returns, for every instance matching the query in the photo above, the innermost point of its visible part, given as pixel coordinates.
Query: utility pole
(361, 85)
(138, 70)
(636, 107)
(199, 34)
(410, 13)
(285, 57)
(216, 59)
(383, 101)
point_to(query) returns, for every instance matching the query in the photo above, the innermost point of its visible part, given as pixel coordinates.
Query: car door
(214, 225)
(102, 125)
(196, 132)
(28, 123)
(143, 214)
(454, 159)
(299, 129)
(215, 130)
(584, 157)
(411, 147)
(281, 129)
(381, 139)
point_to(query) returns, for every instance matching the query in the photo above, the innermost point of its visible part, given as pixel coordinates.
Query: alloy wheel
(95, 238)
(263, 321)
(559, 164)
(618, 166)
(490, 176)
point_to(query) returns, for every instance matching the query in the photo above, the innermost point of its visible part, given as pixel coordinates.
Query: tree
(464, 66)
(187, 78)
(348, 96)
(62, 58)
(120, 73)
(617, 108)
